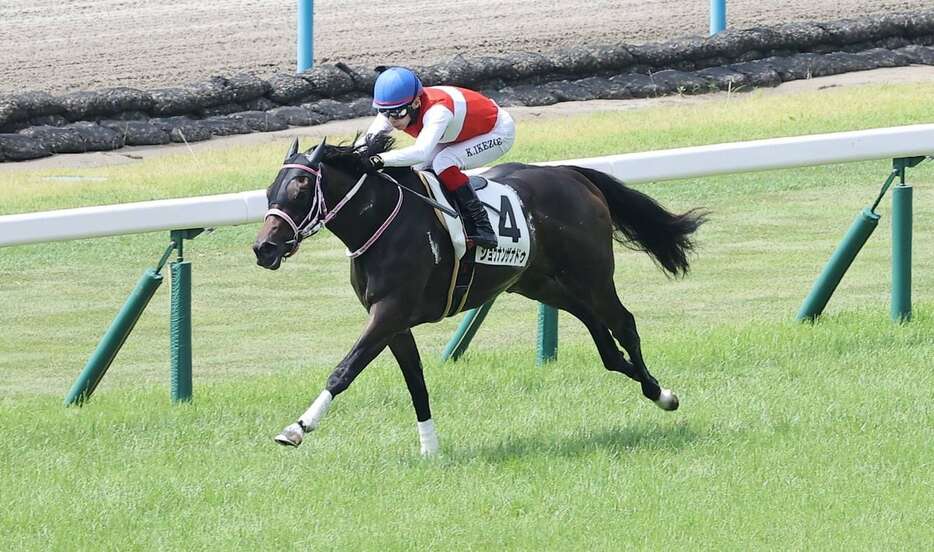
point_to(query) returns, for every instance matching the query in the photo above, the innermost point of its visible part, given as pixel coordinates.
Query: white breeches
(479, 151)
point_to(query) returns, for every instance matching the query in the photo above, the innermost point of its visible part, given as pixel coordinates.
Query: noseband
(318, 214)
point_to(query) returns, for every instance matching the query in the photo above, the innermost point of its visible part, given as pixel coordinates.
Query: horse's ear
(293, 149)
(315, 159)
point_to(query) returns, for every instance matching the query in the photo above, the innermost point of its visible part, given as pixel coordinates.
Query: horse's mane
(345, 155)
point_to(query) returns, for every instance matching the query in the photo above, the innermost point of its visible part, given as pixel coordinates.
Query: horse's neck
(364, 212)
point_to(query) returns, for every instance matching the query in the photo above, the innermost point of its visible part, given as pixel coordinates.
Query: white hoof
(667, 400)
(291, 436)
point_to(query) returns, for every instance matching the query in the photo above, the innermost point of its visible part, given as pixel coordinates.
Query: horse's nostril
(264, 248)
(267, 254)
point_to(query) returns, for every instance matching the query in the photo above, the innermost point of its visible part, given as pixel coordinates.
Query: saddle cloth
(507, 216)
(454, 225)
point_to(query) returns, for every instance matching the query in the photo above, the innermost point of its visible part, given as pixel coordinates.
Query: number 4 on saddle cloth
(507, 216)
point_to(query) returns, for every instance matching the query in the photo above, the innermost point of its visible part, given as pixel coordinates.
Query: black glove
(371, 163)
(374, 163)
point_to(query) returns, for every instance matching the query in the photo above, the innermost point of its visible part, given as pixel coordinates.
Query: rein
(423, 198)
(318, 214)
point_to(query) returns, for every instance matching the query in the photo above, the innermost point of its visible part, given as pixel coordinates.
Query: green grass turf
(790, 436)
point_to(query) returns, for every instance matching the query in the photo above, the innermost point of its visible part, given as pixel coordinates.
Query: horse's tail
(644, 225)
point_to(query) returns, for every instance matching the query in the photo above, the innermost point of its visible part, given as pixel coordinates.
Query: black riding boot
(475, 218)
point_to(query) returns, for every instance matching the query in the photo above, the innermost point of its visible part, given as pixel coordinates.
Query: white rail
(132, 218)
(763, 155)
(653, 166)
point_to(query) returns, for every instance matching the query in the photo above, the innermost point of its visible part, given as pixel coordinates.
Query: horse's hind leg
(594, 301)
(623, 325)
(591, 314)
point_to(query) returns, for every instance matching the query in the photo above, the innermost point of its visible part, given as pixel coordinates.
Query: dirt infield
(87, 44)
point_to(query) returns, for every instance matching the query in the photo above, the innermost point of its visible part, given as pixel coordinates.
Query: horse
(574, 215)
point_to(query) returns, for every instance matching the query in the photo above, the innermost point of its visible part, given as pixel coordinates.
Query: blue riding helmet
(396, 87)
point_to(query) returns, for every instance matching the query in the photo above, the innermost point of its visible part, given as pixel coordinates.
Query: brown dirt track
(86, 44)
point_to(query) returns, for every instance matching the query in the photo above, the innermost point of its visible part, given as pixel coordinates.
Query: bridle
(319, 215)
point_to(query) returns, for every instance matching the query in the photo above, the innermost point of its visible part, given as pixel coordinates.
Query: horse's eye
(297, 190)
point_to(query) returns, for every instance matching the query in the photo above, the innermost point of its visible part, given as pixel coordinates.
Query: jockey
(454, 129)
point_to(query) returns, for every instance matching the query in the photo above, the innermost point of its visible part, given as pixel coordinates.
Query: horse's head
(301, 200)
(294, 207)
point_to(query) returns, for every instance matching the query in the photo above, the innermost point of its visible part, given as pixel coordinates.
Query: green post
(862, 227)
(180, 320)
(901, 252)
(116, 335)
(457, 346)
(547, 334)
(180, 331)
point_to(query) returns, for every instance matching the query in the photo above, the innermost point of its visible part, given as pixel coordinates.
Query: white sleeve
(380, 125)
(436, 121)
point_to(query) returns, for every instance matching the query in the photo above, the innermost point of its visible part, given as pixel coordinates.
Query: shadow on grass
(616, 441)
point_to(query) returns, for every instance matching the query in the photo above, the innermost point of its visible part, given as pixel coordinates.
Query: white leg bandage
(316, 411)
(428, 438)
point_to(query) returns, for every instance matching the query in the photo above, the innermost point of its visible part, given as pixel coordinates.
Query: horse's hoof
(667, 400)
(291, 436)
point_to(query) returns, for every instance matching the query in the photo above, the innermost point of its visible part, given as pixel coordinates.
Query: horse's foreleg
(374, 339)
(404, 349)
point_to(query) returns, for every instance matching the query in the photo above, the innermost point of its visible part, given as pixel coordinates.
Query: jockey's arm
(436, 121)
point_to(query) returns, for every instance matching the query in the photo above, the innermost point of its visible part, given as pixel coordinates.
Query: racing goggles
(395, 112)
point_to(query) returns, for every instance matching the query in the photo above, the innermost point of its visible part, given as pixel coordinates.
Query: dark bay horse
(402, 258)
